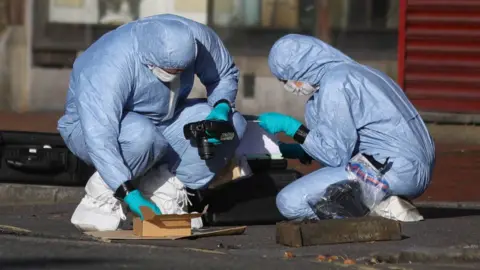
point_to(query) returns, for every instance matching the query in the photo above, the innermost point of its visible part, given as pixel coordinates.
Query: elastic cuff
(223, 101)
(123, 190)
(301, 134)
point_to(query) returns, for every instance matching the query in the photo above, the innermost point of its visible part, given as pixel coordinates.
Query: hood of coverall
(302, 58)
(164, 44)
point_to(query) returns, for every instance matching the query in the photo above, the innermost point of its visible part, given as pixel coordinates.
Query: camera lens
(205, 149)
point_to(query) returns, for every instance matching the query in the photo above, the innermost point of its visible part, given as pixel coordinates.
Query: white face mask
(172, 81)
(299, 88)
(162, 75)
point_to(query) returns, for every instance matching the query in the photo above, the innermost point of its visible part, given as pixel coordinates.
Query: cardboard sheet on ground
(205, 232)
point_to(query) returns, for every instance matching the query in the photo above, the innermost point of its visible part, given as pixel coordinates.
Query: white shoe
(398, 209)
(98, 210)
(167, 192)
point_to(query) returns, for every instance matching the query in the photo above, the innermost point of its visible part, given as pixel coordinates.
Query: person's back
(128, 49)
(387, 123)
(99, 52)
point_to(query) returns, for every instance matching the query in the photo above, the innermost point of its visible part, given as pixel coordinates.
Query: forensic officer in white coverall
(126, 108)
(354, 113)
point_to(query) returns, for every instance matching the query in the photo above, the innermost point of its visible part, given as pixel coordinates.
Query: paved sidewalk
(448, 239)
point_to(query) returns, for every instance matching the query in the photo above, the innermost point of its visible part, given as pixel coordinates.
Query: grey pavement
(41, 237)
(39, 253)
(19, 194)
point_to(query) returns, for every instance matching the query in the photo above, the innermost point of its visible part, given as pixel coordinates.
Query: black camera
(221, 130)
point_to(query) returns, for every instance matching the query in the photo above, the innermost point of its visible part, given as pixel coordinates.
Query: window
(361, 28)
(252, 26)
(63, 28)
(364, 29)
(249, 85)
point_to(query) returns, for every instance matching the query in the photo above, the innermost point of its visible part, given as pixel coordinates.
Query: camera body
(197, 131)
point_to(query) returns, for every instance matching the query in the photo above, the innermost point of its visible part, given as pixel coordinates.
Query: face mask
(172, 81)
(162, 75)
(299, 88)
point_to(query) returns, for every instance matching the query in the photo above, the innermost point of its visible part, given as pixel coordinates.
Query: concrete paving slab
(19, 194)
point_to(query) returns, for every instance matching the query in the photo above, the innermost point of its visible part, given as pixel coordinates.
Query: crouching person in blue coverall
(354, 112)
(125, 112)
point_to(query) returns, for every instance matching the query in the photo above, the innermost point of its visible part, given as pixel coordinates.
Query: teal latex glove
(294, 151)
(135, 200)
(274, 123)
(219, 113)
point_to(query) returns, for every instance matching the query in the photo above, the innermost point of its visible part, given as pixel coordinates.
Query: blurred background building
(44, 37)
(40, 39)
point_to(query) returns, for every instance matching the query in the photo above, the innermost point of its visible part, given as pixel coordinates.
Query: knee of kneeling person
(290, 207)
(409, 189)
(195, 178)
(410, 182)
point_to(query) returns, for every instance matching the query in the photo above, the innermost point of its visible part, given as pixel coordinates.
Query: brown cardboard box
(163, 225)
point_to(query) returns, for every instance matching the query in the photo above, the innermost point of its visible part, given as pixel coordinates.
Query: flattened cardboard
(162, 225)
(128, 234)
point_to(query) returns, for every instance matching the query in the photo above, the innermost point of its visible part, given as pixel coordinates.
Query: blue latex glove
(294, 151)
(219, 113)
(274, 123)
(135, 200)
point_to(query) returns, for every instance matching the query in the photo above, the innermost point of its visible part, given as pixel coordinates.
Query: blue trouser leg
(292, 201)
(141, 143)
(405, 178)
(184, 160)
(408, 178)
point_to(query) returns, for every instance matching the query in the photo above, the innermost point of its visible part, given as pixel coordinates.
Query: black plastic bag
(341, 200)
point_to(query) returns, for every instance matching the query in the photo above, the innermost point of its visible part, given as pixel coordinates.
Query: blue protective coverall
(116, 110)
(355, 109)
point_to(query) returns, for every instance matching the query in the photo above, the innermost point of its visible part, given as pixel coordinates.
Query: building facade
(54, 32)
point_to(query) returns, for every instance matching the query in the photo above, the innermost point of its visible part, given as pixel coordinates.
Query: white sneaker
(98, 210)
(398, 209)
(167, 192)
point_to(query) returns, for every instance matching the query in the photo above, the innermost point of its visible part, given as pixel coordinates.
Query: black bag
(246, 201)
(341, 200)
(40, 158)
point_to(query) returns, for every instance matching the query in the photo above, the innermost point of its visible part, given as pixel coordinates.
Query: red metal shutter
(439, 54)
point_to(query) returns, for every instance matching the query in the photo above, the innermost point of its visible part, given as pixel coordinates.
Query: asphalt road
(45, 253)
(53, 243)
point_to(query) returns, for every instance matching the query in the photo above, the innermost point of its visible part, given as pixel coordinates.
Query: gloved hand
(294, 151)
(219, 113)
(274, 123)
(135, 200)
